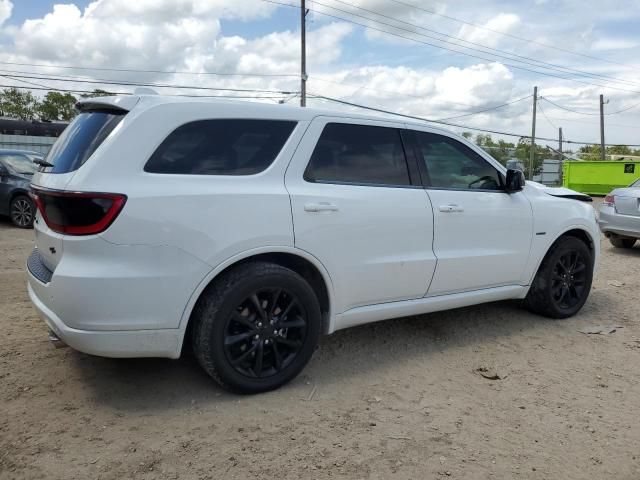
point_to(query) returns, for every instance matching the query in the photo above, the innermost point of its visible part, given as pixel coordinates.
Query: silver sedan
(620, 216)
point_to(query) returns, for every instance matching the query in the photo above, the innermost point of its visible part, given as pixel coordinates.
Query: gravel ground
(396, 399)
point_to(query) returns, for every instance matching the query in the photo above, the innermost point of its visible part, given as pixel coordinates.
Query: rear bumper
(123, 343)
(612, 222)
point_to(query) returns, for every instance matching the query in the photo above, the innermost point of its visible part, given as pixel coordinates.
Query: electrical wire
(446, 48)
(487, 109)
(589, 113)
(545, 115)
(168, 72)
(500, 54)
(522, 39)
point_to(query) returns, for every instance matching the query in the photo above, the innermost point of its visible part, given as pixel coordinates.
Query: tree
(17, 104)
(467, 135)
(97, 93)
(58, 106)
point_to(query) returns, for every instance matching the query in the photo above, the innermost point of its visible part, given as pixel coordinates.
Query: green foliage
(17, 104)
(592, 152)
(57, 106)
(97, 93)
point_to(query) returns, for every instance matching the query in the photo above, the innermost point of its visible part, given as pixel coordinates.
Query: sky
(437, 60)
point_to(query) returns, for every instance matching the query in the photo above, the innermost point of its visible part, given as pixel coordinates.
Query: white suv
(246, 231)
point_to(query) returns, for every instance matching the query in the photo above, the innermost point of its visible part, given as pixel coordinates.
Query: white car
(246, 231)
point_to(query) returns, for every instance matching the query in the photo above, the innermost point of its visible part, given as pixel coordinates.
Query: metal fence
(26, 142)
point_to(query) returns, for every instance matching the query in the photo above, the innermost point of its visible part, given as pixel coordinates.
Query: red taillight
(77, 213)
(609, 201)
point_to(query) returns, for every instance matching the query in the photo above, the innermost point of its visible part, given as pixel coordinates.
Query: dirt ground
(396, 399)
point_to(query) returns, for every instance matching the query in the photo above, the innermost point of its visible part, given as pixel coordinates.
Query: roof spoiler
(123, 103)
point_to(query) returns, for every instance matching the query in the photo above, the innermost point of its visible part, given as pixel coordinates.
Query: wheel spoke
(563, 293)
(288, 342)
(277, 359)
(298, 322)
(233, 339)
(258, 306)
(274, 301)
(286, 311)
(579, 268)
(245, 355)
(257, 366)
(244, 321)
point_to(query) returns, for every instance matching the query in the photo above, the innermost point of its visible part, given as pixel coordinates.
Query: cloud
(503, 22)
(614, 44)
(5, 10)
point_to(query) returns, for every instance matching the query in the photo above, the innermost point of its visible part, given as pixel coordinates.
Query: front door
(482, 235)
(358, 209)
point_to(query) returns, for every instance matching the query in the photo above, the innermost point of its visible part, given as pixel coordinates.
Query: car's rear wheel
(622, 242)
(22, 211)
(562, 284)
(256, 327)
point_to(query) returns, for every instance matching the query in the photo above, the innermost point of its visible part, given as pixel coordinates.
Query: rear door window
(359, 154)
(81, 138)
(221, 147)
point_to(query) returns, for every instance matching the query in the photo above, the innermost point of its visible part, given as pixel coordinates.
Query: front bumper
(612, 222)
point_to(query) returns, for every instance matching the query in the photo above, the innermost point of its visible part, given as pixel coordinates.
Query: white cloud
(614, 44)
(5, 10)
(503, 22)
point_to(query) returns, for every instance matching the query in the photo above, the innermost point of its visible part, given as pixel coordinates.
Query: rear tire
(22, 211)
(256, 327)
(563, 281)
(622, 242)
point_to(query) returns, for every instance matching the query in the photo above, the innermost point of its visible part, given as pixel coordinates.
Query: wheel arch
(301, 262)
(16, 192)
(577, 231)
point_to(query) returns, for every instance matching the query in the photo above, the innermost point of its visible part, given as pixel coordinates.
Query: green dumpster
(599, 178)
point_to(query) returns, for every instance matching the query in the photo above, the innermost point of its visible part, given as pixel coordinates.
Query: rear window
(221, 147)
(81, 138)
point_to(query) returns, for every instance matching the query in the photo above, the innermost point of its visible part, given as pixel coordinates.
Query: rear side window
(81, 138)
(358, 154)
(221, 147)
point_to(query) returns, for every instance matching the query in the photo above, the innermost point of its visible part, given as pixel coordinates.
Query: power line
(457, 125)
(149, 84)
(169, 72)
(500, 54)
(522, 39)
(588, 113)
(487, 109)
(545, 115)
(446, 48)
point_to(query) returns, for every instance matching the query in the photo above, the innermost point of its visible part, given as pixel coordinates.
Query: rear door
(360, 209)
(627, 201)
(482, 235)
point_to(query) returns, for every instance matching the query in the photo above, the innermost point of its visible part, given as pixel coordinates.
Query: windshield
(81, 138)
(636, 183)
(20, 164)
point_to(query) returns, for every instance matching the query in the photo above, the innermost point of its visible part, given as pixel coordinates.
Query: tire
(22, 211)
(256, 310)
(560, 277)
(622, 242)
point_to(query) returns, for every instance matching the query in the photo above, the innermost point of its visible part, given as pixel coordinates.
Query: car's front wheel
(22, 211)
(622, 242)
(562, 284)
(256, 327)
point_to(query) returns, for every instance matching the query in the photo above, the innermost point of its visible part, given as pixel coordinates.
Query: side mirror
(514, 181)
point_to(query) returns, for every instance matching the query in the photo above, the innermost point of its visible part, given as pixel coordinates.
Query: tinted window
(221, 147)
(19, 164)
(358, 154)
(451, 164)
(81, 138)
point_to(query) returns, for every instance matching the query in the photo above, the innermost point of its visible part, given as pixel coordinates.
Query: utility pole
(532, 152)
(303, 54)
(560, 141)
(602, 127)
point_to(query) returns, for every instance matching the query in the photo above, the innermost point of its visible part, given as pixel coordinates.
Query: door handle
(451, 208)
(320, 207)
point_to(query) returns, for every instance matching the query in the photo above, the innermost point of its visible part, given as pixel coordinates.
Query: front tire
(22, 211)
(562, 284)
(256, 327)
(622, 242)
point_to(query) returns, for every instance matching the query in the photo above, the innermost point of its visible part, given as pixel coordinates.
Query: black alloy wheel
(569, 279)
(265, 332)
